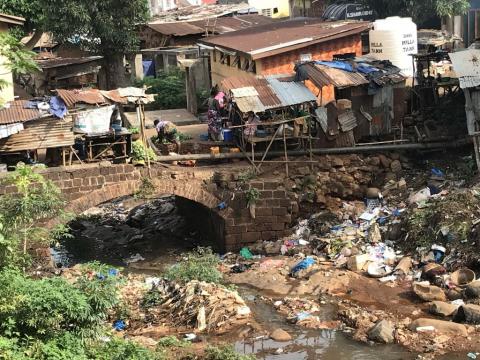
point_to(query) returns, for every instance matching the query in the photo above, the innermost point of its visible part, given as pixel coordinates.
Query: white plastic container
(394, 39)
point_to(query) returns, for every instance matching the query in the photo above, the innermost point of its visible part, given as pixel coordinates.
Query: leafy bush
(139, 153)
(169, 87)
(171, 341)
(200, 264)
(48, 307)
(119, 349)
(225, 353)
(36, 199)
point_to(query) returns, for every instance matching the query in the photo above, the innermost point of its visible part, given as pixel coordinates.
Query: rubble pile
(196, 305)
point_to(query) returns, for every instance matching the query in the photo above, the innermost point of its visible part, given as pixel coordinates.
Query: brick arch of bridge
(188, 189)
(206, 217)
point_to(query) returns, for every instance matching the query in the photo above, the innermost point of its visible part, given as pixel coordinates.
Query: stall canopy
(262, 93)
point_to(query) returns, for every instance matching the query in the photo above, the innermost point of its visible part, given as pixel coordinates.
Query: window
(305, 57)
(236, 61)
(275, 10)
(224, 59)
(252, 67)
(267, 12)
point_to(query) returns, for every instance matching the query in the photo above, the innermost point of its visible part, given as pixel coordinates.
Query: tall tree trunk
(37, 35)
(115, 73)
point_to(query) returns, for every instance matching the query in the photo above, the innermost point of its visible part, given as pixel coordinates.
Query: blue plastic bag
(119, 325)
(302, 265)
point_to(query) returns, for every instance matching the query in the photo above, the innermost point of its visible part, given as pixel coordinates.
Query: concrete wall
(6, 93)
(274, 8)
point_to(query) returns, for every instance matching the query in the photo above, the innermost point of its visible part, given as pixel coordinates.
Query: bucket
(227, 135)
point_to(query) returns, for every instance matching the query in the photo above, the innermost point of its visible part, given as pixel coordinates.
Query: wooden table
(97, 146)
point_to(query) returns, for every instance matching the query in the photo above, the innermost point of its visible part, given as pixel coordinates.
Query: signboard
(467, 67)
(358, 12)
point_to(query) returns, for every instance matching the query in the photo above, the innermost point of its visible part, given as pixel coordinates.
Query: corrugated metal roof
(179, 28)
(16, 113)
(57, 62)
(250, 103)
(347, 120)
(272, 93)
(278, 37)
(265, 93)
(42, 134)
(291, 93)
(90, 96)
(325, 76)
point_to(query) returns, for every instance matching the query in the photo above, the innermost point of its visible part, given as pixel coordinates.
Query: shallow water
(309, 344)
(165, 236)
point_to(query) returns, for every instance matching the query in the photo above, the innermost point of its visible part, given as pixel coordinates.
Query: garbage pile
(196, 305)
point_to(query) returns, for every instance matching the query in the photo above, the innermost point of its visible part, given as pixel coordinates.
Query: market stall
(267, 112)
(97, 122)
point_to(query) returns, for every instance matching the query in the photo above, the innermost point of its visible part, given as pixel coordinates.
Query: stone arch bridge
(231, 227)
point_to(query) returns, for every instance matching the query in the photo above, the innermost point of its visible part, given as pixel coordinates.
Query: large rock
(469, 314)
(280, 335)
(382, 332)
(441, 326)
(429, 292)
(473, 289)
(442, 308)
(396, 166)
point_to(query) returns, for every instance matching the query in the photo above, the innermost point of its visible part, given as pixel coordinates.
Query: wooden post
(285, 150)
(141, 112)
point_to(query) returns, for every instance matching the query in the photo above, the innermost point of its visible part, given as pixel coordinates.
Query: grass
(200, 265)
(225, 352)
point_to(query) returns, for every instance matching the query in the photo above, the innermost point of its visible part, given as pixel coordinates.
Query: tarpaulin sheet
(95, 121)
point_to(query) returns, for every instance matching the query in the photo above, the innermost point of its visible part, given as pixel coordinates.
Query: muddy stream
(148, 237)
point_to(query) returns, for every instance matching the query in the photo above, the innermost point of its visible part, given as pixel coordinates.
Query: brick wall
(284, 63)
(89, 185)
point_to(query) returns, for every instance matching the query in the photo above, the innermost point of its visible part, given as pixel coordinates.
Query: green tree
(16, 57)
(419, 10)
(105, 27)
(36, 199)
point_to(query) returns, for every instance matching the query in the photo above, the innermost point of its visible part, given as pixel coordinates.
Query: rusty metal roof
(323, 75)
(179, 28)
(58, 62)
(219, 25)
(89, 96)
(199, 12)
(261, 93)
(15, 112)
(265, 93)
(98, 97)
(278, 37)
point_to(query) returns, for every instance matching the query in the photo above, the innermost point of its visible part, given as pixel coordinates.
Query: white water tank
(394, 39)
